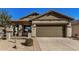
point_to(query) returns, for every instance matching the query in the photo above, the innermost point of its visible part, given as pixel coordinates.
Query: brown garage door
(49, 31)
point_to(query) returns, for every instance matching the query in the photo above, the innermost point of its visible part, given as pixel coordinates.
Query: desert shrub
(28, 42)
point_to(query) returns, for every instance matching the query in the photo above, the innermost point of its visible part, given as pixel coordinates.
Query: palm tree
(4, 20)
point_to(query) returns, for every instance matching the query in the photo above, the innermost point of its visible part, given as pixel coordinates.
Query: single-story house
(49, 24)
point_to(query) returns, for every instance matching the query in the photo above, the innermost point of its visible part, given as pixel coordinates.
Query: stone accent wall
(69, 30)
(34, 30)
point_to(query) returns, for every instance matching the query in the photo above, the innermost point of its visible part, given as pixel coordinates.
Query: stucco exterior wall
(49, 22)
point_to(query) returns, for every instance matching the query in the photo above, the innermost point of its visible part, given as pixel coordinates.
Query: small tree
(4, 20)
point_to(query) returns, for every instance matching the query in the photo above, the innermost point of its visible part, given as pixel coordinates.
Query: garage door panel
(49, 31)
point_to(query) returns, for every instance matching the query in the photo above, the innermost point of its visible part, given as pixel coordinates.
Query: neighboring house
(75, 27)
(49, 24)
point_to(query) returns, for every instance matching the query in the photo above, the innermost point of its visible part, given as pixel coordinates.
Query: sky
(17, 13)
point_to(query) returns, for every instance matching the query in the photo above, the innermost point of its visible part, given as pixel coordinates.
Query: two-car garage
(50, 31)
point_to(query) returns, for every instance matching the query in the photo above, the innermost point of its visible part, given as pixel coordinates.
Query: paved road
(58, 44)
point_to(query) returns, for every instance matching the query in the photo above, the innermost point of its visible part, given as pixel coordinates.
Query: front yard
(41, 44)
(7, 45)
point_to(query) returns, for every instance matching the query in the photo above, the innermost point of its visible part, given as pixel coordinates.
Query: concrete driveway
(57, 44)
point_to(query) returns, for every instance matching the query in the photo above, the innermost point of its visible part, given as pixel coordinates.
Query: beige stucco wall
(48, 17)
(49, 22)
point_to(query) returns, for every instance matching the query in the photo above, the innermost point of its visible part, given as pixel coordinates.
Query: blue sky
(17, 13)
